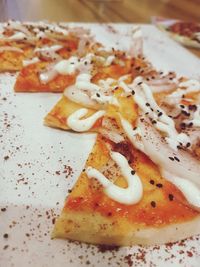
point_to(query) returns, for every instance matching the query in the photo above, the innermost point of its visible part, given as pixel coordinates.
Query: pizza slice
(186, 33)
(122, 199)
(55, 65)
(22, 44)
(141, 181)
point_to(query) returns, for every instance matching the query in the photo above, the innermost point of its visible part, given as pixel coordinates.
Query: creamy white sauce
(145, 100)
(65, 67)
(48, 49)
(124, 86)
(77, 124)
(130, 195)
(17, 36)
(48, 76)
(28, 62)
(109, 60)
(105, 99)
(90, 94)
(133, 135)
(189, 189)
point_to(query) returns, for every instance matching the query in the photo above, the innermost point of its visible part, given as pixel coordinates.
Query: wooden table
(128, 11)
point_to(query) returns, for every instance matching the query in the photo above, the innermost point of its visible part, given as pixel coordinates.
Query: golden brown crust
(89, 215)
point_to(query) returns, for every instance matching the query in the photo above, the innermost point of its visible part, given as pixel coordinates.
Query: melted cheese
(77, 124)
(130, 195)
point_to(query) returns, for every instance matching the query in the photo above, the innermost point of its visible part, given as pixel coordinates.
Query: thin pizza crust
(90, 216)
(57, 117)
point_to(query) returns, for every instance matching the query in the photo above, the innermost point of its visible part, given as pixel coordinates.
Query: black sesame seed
(132, 92)
(132, 172)
(151, 181)
(5, 235)
(182, 106)
(147, 79)
(159, 185)
(171, 158)
(192, 107)
(160, 114)
(190, 124)
(154, 122)
(134, 128)
(171, 197)
(177, 159)
(185, 113)
(97, 94)
(188, 144)
(153, 204)
(3, 209)
(179, 147)
(139, 83)
(183, 125)
(147, 104)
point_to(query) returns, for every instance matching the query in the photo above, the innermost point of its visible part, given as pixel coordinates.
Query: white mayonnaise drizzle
(68, 67)
(83, 83)
(145, 100)
(188, 188)
(105, 99)
(77, 124)
(87, 93)
(65, 67)
(134, 135)
(48, 49)
(17, 36)
(28, 62)
(109, 60)
(130, 195)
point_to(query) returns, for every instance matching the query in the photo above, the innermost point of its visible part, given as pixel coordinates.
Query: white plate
(35, 172)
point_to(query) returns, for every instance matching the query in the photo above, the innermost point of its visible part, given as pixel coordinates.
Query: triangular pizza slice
(121, 198)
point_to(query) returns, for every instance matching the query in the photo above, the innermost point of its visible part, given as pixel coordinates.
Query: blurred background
(99, 10)
(122, 11)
